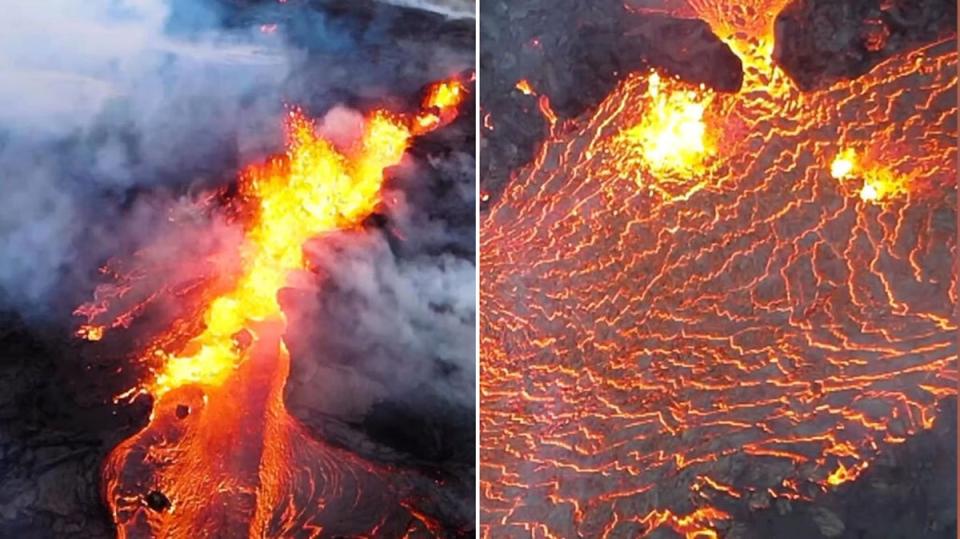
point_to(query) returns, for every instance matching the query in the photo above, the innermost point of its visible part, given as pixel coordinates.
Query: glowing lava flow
(668, 148)
(672, 133)
(313, 190)
(220, 456)
(879, 183)
(653, 361)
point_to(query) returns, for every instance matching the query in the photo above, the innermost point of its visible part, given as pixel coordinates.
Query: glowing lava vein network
(667, 330)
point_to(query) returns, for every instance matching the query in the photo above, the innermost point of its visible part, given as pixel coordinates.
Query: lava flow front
(695, 304)
(220, 456)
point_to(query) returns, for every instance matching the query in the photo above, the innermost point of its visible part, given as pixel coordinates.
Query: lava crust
(660, 347)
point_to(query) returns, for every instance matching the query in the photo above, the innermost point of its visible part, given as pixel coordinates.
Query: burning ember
(769, 310)
(220, 454)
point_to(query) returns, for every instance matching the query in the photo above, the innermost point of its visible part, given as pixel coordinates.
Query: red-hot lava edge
(220, 455)
(240, 466)
(648, 359)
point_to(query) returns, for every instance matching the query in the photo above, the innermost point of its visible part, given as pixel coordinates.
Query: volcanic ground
(59, 411)
(762, 344)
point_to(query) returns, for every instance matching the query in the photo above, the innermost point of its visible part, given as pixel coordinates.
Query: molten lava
(844, 164)
(525, 88)
(669, 148)
(878, 183)
(310, 191)
(439, 106)
(671, 137)
(220, 456)
(90, 333)
(754, 322)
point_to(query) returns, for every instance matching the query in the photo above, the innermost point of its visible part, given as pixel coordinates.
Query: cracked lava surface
(660, 344)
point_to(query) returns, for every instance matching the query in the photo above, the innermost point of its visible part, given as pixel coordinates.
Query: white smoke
(105, 95)
(105, 98)
(386, 323)
(62, 62)
(455, 9)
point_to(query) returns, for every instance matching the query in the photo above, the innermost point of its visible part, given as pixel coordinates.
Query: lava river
(220, 456)
(693, 300)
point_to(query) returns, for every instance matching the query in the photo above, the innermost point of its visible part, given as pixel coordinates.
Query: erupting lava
(754, 324)
(220, 456)
(879, 183)
(313, 190)
(671, 135)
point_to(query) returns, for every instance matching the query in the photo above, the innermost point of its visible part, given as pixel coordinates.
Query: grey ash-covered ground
(57, 418)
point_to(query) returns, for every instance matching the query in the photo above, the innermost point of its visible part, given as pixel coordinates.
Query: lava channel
(669, 333)
(220, 455)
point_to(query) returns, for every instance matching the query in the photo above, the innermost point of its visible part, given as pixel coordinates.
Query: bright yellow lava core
(673, 133)
(843, 164)
(879, 183)
(313, 189)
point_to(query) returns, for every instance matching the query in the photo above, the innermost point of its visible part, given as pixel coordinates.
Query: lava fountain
(220, 455)
(695, 303)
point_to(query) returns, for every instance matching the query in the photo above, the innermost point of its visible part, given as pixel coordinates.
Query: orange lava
(220, 446)
(439, 106)
(669, 149)
(312, 190)
(525, 88)
(878, 183)
(90, 332)
(661, 345)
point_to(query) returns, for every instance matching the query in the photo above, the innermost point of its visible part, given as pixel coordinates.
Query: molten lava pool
(694, 300)
(220, 456)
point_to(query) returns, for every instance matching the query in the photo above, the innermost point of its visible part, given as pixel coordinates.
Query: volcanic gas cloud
(220, 455)
(692, 300)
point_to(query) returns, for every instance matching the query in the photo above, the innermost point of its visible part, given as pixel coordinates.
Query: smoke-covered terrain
(127, 123)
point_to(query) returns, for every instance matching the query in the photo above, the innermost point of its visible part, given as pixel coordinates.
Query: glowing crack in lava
(665, 358)
(220, 456)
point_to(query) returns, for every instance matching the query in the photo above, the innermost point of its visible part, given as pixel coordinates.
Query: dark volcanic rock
(52, 442)
(902, 495)
(157, 501)
(183, 411)
(821, 41)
